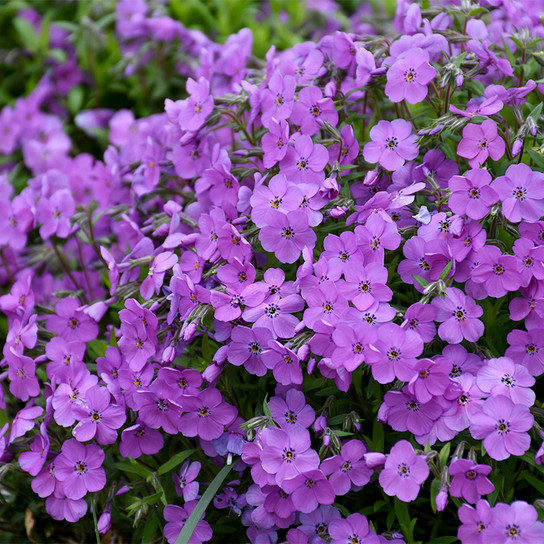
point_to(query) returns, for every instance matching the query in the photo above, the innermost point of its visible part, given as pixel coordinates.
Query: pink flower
(404, 472)
(521, 191)
(392, 144)
(79, 468)
(480, 142)
(408, 77)
(471, 194)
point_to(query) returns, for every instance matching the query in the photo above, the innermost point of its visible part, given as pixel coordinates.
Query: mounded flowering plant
(276, 282)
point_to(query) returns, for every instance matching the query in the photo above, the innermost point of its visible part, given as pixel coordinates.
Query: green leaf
(537, 157)
(533, 480)
(75, 99)
(444, 454)
(535, 112)
(435, 488)
(27, 33)
(150, 528)
(206, 351)
(444, 274)
(190, 525)
(133, 467)
(403, 516)
(423, 282)
(176, 460)
(266, 409)
(96, 348)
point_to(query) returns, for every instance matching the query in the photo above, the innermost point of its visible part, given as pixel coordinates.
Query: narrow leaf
(174, 461)
(190, 525)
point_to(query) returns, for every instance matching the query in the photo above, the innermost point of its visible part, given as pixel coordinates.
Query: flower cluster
(352, 218)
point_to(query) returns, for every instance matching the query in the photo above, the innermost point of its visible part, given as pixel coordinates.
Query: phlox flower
(474, 522)
(404, 472)
(207, 414)
(527, 349)
(392, 144)
(471, 194)
(312, 108)
(247, 348)
(140, 439)
(308, 490)
(348, 469)
(283, 362)
(469, 480)
(287, 453)
(286, 235)
(503, 426)
(80, 469)
(497, 272)
(516, 522)
(353, 529)
(504, 377)
(458, 315)
(176, 517)
(305, 161)
(408, 77)
(480, 142)
(293, 412)
(521, 191)
(315, 525)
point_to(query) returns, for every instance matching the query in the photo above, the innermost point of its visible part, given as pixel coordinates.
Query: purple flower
(23, 383)
(278, 100)
(458, 314)
(392, 144)
(71, 322)
(287, 453)
(140, 439)
(404, 412)
(55, 214)
(497, 272)
(404, 472)
(207, 415)
(247, 348)
(293, 412)
(353, 530)
(419, 319)
(348, 469)
(431, 379)
(393, 353)
(516, 522)
(504, 377)
(408, 77)
(274, 142)
(32, 461)
(98, 418)
(185, 484)
(475, 522)
(176, 517)
(155, 276)
(480, 142)
(471, 194)
(309, 490)
(275, 315)
(503, 425)
(311, 109)
(527, 349)
(521, 191)
(283, 362)
(195, 109)
(79, 468)
(279, 195)
(469, 480)
(305, 162)
(286, 235)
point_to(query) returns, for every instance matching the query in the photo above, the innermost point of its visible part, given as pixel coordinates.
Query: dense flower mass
(317, 264)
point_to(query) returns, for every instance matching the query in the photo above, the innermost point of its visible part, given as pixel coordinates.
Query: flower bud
(516, 147)
(303, 352)
(374, 460)
(441, 499)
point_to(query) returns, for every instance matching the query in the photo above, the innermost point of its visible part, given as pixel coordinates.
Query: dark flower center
(391, 143)
(474, 193)
(288, 455)
(204, 411)
(503, 427)
(403, 470)
(290, 417)
(498, 269)
(302, 163)
(520, 193)
(255, 347)
(275, 202)
(95, 416)
(471, 474)
(512, 531)
(357, 348)
(80, 468)
(483, 143)
(409, 75)
(287, 232)
(531, 349)
(73, 323)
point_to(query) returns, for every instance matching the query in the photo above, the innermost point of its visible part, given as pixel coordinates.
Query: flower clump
(323, 269)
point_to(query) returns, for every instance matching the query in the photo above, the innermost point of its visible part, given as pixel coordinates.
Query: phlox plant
(282, 295)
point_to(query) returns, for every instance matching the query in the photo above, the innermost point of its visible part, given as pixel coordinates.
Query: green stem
(62, 259)
(93, 506)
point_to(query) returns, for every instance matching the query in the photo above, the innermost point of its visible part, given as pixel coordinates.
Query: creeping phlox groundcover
(302, 303)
